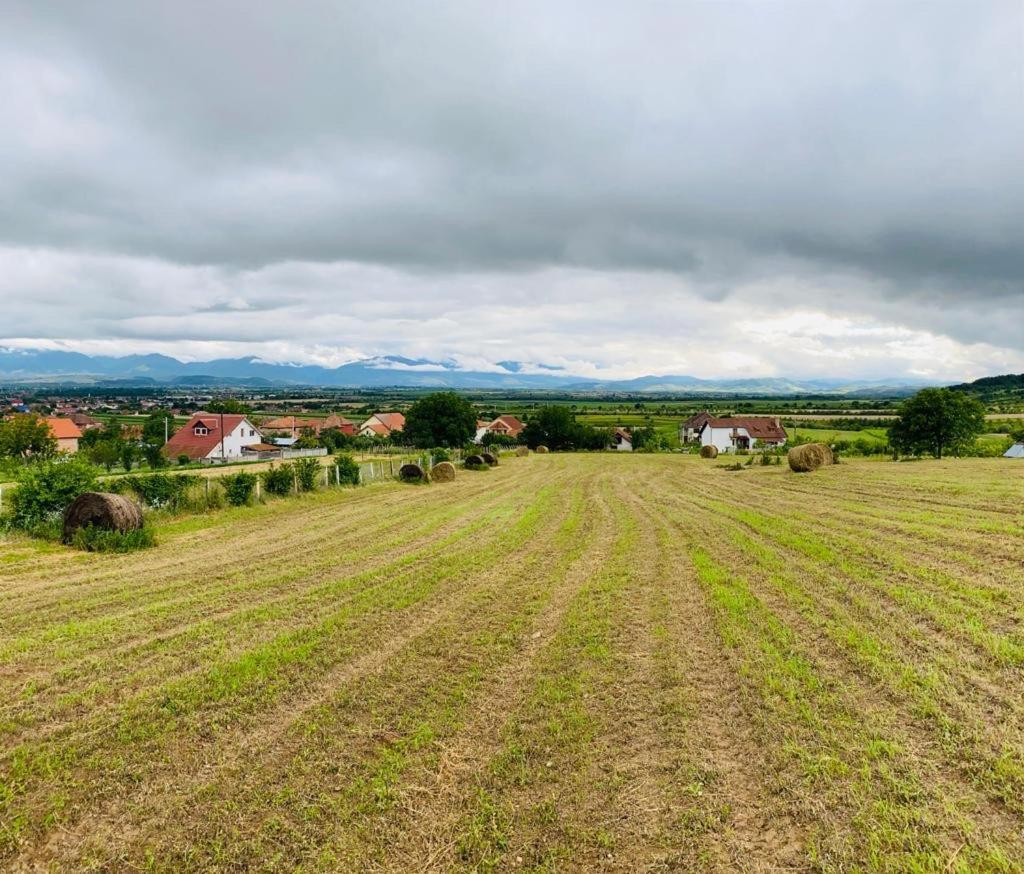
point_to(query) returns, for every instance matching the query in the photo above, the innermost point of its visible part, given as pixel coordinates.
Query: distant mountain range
(36, 366)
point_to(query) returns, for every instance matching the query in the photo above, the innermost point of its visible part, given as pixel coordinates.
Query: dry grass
(592, 663)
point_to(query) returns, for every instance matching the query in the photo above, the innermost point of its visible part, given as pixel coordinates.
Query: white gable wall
(245, 433)
(722, 438)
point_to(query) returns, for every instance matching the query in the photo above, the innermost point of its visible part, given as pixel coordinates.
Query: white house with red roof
(213, 437)
(506, 426)
(729, 433)
(382, 425)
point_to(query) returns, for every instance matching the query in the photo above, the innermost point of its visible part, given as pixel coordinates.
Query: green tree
(153, 429)
(937, 421)
(555, 426)
(228, 405)
(129, 455)
(24, 435)
(105, 452)
(441, 419)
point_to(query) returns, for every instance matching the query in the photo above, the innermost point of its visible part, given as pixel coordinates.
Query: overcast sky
(712, 188)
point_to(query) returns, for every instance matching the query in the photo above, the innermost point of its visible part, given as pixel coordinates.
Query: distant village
(211, 436)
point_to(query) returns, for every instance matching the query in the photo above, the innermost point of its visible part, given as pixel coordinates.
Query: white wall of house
(623, 445)
(245, 433)
(480, 434)
(723, 438)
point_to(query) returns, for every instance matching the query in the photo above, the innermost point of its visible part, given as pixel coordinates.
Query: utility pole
(222, 455)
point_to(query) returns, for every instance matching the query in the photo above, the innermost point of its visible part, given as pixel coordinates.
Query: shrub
(348, 470)
(279, 480)
(307, 471)
(47, 487)
(440, 454)
(239, 488)
(183, 459)
(93, 539)
(158, 490)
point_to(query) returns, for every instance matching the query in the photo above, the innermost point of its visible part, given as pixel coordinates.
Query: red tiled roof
(507, 424)
(299, 423)
(758, 427)
(186, 442)
(63, 429)
(392, 421)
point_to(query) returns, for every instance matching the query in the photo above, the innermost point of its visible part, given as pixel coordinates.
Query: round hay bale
(411, 473)
(101, 510)
(808, 457)
(522, 452)
(473, 462)
(709, 451)
(540, 450)
(443, 472)
(490, 459)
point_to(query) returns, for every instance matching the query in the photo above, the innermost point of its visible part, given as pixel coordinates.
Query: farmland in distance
(567, 662)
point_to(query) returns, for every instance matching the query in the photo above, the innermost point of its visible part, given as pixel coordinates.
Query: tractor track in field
(255, 745)
(575, 663)
(297, 588)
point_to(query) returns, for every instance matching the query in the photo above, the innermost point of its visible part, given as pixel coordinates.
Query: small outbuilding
(622, 440)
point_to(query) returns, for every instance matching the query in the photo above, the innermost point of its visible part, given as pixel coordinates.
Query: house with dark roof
(729, 433)
(689, 431)
(213, 437)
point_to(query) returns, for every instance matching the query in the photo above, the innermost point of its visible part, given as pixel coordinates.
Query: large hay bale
(809, 456)
(412, 473)
(522, 452)
(474, 462)
(101, 510)
(709, 451)
(490, 459)
(443, 472)
(540, 450)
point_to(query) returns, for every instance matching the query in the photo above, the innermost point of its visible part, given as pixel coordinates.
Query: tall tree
(24, 435)
(938, 421)
(445, 418)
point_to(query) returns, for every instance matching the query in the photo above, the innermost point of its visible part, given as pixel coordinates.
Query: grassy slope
(567, 662)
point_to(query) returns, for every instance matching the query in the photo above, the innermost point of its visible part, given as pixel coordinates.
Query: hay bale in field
(412, 473)
(522, 452)
(443, 472)
(540, 450)
(474, 462)
(809, 456)
(101, 510)
(709, 451)
(490, 459)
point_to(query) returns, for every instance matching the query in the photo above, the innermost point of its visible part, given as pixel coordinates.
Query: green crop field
(568, 662)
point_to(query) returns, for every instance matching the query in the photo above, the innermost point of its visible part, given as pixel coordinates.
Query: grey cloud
(876, 143)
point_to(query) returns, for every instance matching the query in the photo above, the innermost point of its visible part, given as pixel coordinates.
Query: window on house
(200, 431)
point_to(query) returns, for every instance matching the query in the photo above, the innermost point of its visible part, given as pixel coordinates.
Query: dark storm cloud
(723, 142)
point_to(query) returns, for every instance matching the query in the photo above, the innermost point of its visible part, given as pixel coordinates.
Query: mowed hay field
(567, 662)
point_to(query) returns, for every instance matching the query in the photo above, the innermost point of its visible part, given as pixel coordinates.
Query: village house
(622, 440)
(742, 432)
(382, 425)
(296, 426)
(505, 426)
(213, 437)
(689, 431)
(1015, 451)
(65, 432)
